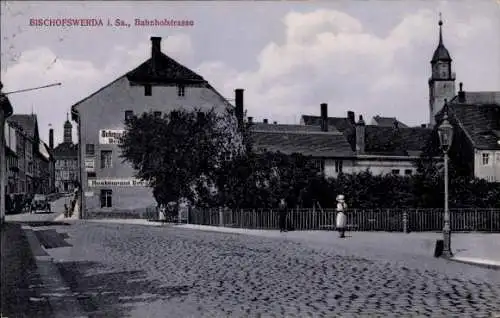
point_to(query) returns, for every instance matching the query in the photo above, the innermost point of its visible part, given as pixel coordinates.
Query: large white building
(160, 84)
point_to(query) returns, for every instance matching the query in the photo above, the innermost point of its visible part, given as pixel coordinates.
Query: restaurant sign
(110, 136)
(117, 183)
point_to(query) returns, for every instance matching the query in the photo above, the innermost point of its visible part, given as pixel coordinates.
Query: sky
(371, 57)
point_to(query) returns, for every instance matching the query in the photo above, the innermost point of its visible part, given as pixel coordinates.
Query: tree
(178, 153)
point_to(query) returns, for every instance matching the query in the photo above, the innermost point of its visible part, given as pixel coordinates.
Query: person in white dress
(341, 220)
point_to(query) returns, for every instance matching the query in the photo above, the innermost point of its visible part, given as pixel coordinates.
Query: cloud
(79, 78)
(328, 56)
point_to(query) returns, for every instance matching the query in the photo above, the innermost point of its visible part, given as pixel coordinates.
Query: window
(408, 172)
(106, 159)
(91, 175)
(129, 114)
(157, 114)
(148, 90)
(90, 149)
(181, 90)
(498, 158)
(490, 178)
(106, 198)
(395, 171)
(338, 166)
(319, 165)
(486, 159)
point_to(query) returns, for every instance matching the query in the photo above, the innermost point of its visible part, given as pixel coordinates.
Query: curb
(473, 263)
(59, 294)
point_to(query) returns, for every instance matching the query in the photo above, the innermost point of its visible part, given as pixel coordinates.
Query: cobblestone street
(117, 270)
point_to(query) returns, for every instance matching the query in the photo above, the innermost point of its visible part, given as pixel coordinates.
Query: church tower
(68, 129)
(442, 80)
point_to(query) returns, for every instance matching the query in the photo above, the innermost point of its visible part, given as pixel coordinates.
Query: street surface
(125, 270)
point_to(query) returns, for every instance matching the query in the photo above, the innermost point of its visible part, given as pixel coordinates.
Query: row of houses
(30, 162)
(338, 144)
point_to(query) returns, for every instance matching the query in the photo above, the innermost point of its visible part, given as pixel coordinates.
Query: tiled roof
(478, 98)
(340, 123)
(389, 141)
(166, 70)
(28, 123)
(316, 144)
(387, 121)
(480, 122)
(283, 127)
(66, 150)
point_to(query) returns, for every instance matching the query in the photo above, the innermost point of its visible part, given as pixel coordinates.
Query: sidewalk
(21, 294)
(481, 249)
(31, 283)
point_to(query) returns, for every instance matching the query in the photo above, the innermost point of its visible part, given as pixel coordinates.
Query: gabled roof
(307, 143)
(387, 122)
(28, 123)
(166, 70)
(477, 98)
(481, 123)
(390, 141)
(66, 150)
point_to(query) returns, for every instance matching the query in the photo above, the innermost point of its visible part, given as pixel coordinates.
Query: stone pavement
(118, 270)
(474, 248)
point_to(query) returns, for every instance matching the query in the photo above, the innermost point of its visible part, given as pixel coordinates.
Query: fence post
(221, 217)
(405, 221)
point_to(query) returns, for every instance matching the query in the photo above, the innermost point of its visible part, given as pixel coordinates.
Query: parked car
(40, 202)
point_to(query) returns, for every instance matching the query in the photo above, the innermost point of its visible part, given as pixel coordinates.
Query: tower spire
(67, 116)
(440, 29)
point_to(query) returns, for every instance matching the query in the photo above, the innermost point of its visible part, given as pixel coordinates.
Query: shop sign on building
(117, 182)
(110, 136)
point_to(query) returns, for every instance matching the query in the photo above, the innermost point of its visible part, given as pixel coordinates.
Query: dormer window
(148, 90)
(181, 90)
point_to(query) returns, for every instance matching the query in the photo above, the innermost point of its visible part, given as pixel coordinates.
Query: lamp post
(445, 132)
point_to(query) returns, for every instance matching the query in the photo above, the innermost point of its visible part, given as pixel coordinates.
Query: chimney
(265, 121)
(395, 124)
(461, 94)
(238, 97)
(51, 138)
(350, 117)
(360, 135)
(155, 51)
(250, 120)
(324, 117)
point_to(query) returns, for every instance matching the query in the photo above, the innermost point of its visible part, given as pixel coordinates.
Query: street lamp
(445, 132)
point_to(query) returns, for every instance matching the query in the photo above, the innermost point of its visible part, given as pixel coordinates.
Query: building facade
(476, 120)
(66, 162)
(31, 164)
(158, 85)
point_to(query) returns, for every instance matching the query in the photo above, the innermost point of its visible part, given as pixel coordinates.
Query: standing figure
(282, 216)
(341, 220)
